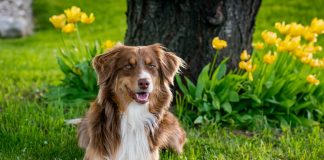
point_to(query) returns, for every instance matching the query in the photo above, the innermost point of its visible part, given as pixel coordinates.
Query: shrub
(79, 83)
(278, 85)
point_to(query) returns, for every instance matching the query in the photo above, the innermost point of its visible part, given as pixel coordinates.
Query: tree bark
(187, 27)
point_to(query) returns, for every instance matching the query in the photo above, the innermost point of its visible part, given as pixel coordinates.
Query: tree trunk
(187, 27)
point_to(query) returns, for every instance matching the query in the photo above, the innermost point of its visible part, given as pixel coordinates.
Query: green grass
(33, 129)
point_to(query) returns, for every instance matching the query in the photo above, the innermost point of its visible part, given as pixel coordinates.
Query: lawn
(33, 129)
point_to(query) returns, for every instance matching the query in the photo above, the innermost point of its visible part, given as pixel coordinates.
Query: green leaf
(202, 81)
(63, 66)
(191, 87)
(220, 71)
(227, 107)
(216, 103)
(295, 119)
(233, 96)
(253, 97)
(217, 116)
(244, 118)
(308, 122)
(181, 85)
(206, 107)
(199, 120)
(287, 103)
(276, 87)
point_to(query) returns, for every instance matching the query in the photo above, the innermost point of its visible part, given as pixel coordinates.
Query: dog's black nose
(143, 83)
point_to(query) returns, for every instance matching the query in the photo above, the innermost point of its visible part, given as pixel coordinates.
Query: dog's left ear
(170, 63)
(104, 64)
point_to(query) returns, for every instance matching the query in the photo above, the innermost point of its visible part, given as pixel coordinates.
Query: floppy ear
(103, 64)
(170, 64)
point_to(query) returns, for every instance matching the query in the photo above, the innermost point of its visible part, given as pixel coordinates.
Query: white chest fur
(135, 124)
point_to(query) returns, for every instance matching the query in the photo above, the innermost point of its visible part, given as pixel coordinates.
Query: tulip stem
(79, 38)
(63, 41)
(211, 70)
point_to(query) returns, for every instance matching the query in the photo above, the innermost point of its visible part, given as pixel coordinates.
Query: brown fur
(99, 130)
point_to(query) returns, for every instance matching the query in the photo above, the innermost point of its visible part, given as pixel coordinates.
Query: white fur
(146, 75)
(136, 122)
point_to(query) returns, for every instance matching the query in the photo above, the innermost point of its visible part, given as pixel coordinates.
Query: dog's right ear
(104, 64)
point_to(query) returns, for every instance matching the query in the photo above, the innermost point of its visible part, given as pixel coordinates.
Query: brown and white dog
(130, 120)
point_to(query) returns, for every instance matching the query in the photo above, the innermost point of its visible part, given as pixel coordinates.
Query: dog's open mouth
(141, 97)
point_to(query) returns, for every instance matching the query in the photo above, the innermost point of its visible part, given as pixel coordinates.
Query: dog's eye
(128, 66)
(151, 65)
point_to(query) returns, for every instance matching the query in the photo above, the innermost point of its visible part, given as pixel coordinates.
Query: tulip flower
(244, 55)
(309, 35)
(317, 25)
(87, 19)
(258, 45)
(312, 80)
(69, 28)
(73, 15)
(289, 44)
(242, 65)
(296, 29)
(282, 28)
(108, 44)
(269, 37)
(269, 58)
(58, 21)
(218, 43)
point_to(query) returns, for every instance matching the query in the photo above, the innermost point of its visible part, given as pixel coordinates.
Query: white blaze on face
(147, 75)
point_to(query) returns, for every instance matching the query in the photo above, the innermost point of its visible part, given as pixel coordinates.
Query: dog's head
(134, 73)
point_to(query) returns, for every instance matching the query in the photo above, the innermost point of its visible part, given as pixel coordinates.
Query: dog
(130, 118)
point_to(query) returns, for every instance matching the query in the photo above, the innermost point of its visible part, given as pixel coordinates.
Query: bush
(80, 82)
(279, 85)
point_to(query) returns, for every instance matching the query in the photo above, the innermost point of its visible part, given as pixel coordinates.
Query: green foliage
(79, 83)
(275, 97)
(211, 98)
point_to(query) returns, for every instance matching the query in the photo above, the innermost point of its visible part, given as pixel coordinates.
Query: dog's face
(134, 73)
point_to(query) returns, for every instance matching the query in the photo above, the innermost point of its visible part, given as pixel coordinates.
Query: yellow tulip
(315, 63)
(269, 37)
(242, 65)
(258, 45)
(309, 35)
(244, 55)
(289, 44)
(70, 27)
(108, 44)
(300, 52)
(250, 67)
(87, 19)
(306, 59)
(312, 80)
(296, 29)
(311, 48)
(322, 62)
(58, 21)
(317, 26)
(269, 58)
(282, 28)
(218, 43)
(73, 15)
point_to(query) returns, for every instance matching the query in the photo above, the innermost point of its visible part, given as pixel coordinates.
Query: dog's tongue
(142, 97)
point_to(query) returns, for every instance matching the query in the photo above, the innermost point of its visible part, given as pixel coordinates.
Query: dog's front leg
(170, 134)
